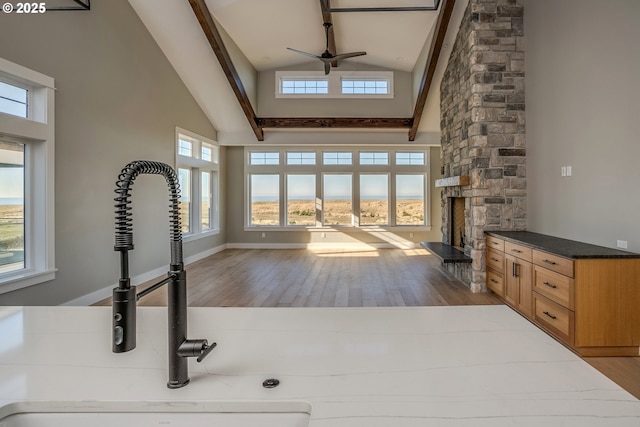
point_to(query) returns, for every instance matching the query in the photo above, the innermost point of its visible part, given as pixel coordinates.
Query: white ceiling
(264, 29)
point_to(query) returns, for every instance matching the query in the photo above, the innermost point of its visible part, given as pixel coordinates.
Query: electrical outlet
(568, 170)
(411, 235)
(264, 235)
(622, 244)
(324, 235)
(563, 171)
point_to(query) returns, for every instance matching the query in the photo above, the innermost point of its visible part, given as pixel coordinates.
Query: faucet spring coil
(123, 214)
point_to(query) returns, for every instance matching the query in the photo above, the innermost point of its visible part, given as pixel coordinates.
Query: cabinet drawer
(495, 260)
(553, 262)
(557, 319)
(518, 251)
(554, 286)
(495, 282)
(495, 243)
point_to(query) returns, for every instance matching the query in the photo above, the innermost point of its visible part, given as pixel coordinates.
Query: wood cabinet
(591, 303)
(518, 281)
(495, 265)
(510, 273)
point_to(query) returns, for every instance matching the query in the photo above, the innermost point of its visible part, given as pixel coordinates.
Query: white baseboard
(103, 293)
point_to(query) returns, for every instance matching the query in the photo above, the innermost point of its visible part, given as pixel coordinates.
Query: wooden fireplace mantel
(453, 181)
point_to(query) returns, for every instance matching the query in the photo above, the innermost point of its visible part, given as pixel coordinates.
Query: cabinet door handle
(515, 270)
(494, 281)
(516, 251)
(495, 243)
(549, 285)
(550, 315)
(549, 261)
(494, 259)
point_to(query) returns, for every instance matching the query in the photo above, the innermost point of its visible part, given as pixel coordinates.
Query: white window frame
(196, 165)
(334, 83)
(354, 169)
(37, 133)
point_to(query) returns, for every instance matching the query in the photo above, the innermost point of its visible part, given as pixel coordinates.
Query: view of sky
(11, 173)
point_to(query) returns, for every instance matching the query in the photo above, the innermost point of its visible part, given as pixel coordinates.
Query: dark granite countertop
(563, 247)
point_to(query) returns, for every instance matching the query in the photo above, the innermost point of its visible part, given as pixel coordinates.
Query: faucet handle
(206, 349)
(195, 348)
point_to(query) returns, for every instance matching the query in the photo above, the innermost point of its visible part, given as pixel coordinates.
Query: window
(336, 192)
(265, 199)
(198, 167)
(337, 84)
(374, 158)
(205, 201)
(411, 158)
(337, 158)
(301, 199)
(207, 154)
(14, 100)
(374, 199)
(261, 158)
(12, 237)
(365, 86)
(337, 196)
(184, 179)
(301, 158)
(185, 148)
(304, 86)
(27, 173)
(410, 199)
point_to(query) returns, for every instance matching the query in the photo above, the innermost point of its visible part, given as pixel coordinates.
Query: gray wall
(236, 213)
(248, 74)
(117, 100)
(400, 105)
(583, 63)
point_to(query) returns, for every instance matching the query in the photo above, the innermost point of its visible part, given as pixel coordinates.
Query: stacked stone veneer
(483, 127)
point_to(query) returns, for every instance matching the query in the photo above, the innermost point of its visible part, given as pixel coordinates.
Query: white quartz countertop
(421, 366)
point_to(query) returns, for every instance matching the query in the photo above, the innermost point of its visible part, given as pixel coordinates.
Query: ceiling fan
(326, 57)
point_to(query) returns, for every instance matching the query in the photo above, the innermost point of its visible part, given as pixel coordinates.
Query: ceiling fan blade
(348, 55)
(310, 55)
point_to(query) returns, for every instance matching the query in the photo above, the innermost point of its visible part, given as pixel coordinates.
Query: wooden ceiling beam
(335, 122)
(326, 18)
(432, 61)
(210, 30)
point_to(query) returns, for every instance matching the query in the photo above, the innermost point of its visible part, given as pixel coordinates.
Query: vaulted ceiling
(254, 34)
(262, 29)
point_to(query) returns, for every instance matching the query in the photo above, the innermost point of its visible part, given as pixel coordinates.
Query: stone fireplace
(483, 131)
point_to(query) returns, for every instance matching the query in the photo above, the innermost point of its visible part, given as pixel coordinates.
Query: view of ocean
(273, 199)
(11, 201)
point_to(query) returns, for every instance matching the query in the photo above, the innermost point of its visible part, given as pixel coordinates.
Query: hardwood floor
(320, 278)
(342, 278)
(624, 371)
